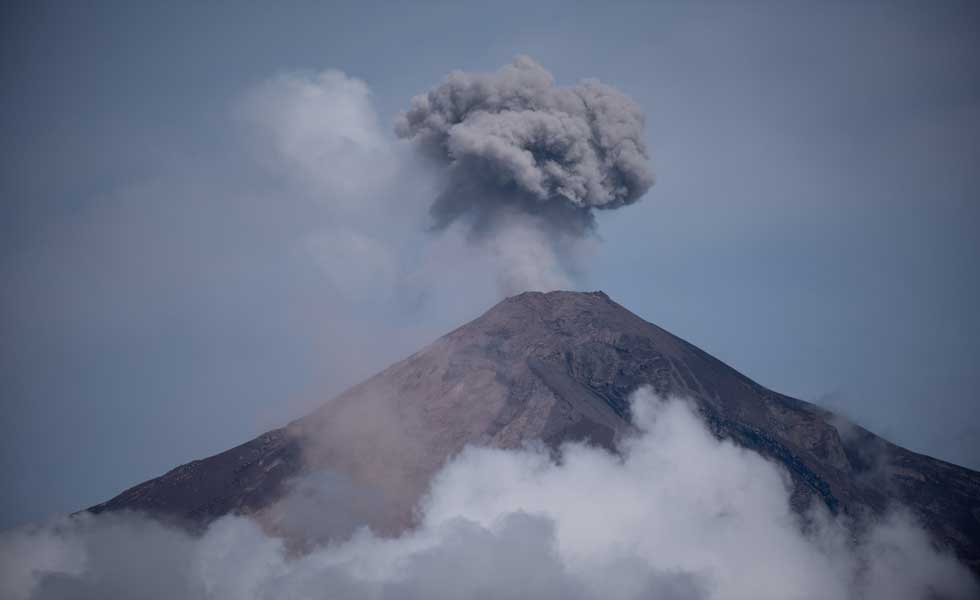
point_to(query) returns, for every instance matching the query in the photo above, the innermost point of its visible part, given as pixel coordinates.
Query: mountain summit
(552, 368)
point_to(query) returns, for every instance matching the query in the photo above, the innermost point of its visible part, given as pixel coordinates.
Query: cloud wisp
(677, 514)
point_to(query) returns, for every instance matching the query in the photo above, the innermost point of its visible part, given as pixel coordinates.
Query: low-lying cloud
(677, 514)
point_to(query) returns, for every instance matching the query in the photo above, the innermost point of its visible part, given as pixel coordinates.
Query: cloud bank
(676, 515)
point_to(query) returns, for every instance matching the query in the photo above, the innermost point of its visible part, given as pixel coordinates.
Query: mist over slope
(672, 513)
(502, 397)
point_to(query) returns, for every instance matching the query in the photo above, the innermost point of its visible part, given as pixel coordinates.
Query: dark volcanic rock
(557, 367)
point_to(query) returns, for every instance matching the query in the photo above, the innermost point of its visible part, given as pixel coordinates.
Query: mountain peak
(557, 296)
(557, 300)
(556, 367)
(561, 311)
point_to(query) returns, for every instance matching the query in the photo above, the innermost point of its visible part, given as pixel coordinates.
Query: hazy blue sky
(175, 239)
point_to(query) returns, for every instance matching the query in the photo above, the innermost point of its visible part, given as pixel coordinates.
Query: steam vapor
(676, 515)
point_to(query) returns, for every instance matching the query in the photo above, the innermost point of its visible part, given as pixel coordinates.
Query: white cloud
(321, 129)
(678, 515)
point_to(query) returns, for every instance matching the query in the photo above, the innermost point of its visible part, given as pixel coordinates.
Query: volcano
(551, 368)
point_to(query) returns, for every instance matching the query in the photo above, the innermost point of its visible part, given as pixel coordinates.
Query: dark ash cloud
(513, 141)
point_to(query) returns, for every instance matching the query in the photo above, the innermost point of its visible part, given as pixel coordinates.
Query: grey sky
(813, 223)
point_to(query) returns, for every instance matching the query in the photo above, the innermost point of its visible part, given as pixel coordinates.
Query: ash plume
(512, 142)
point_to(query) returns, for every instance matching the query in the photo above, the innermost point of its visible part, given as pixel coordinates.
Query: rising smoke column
(518, 149)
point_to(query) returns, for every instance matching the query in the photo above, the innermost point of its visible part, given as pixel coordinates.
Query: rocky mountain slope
(554, 367)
